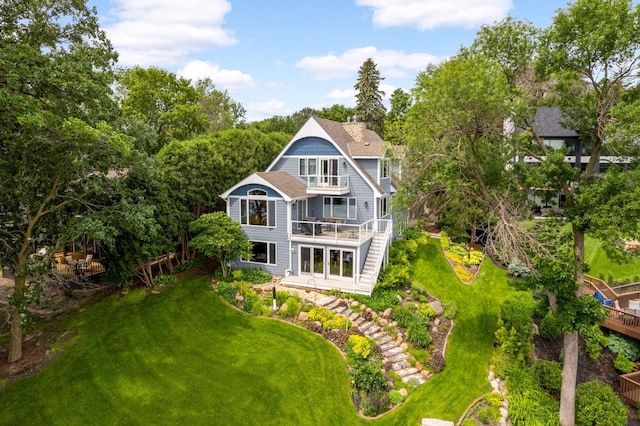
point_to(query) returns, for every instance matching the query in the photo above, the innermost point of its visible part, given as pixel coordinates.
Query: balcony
(327, 184)
(326, 231)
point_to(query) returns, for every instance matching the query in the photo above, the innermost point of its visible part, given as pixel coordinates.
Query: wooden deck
(621, 319)
(630, 388)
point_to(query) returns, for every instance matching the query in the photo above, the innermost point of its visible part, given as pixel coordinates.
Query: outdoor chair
(86, 262)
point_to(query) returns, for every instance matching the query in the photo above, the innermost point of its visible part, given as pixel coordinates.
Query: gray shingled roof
(547, 123)
(285, 183)
(371, 146)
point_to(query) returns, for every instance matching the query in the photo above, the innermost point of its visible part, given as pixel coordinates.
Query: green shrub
(626, 345)
(483, 416)
(368, 377)
(329, 320)
(475, 257)
(403, 316)
(395, 397)
(253, 275)
(444, 240)
(190, 263)
(449, 310)
(515, 326)
(518, 269)
(281, 297)
(381, 299)
(493, 399)
(534, 407)
(395, 276)
(257, 307)
(598, 405)
(550, 327)
(622, 364)
(417, 334)
(458, 250)
(161, 280)
(293, 308)
(426, 312)
(549, 375)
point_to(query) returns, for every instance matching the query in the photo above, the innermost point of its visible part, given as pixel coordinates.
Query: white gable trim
(254, 179)
(313, 129)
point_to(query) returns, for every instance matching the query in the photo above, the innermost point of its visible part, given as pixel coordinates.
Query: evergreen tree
(369, 107)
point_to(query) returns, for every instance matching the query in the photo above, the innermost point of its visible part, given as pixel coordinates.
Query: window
(307, 166)
(340, 207)
(263, 252)
(384, 168)
(341, 263)
(257, 210)
(383, 206)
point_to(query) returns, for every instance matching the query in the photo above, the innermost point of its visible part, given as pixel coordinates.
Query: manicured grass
(599, 263)
(184, 357)
(470, 347)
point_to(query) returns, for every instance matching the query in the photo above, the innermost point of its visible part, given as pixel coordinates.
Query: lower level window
(263, 252)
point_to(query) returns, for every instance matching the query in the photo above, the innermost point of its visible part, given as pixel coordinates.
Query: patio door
(329, 172)
(312, 261)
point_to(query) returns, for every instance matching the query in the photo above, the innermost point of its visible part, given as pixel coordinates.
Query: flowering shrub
(329, 320)
(359, 347)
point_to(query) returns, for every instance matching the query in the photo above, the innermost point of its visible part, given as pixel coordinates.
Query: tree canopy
(369, 106)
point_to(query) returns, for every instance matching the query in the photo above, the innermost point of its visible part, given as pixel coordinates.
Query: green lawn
(470, 347)
(599, 263)
(184, 357)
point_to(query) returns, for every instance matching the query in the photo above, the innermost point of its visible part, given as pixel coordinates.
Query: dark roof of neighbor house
(285, 183)
(547, 123)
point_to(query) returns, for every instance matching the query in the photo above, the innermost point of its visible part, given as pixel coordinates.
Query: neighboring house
(320, 215)
(547, 124)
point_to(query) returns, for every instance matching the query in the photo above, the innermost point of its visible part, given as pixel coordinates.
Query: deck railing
(630, 388)
(331, 230)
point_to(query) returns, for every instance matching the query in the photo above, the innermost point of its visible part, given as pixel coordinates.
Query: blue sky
(279, 56)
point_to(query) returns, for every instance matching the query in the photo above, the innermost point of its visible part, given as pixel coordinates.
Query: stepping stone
(421, 379)
(398, 357)
(333, 305)
(393, 351)
(397, 366)
(372, 330)
(365, 326)
(384, 339)
(380, 335)
(359, 321)
(407, 371)
(354, 316)
(324, 301)
(386, 346)
(340, 309)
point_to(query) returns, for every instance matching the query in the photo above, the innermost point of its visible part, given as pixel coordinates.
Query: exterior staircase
(391, 349)
(374, 259)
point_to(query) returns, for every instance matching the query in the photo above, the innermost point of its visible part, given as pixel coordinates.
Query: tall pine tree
(369, 107)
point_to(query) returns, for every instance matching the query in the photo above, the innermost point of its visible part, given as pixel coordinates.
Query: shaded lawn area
(470, 347)
(145, 359)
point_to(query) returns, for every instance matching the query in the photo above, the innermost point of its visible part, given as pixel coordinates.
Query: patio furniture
(84, 264)
(634, 304)
(309, 228)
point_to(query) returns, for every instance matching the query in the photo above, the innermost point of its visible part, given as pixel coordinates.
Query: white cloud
(430, 14)
(390, 63)
(342, 94)
(257, 111)
(231, 80)
(161, 32)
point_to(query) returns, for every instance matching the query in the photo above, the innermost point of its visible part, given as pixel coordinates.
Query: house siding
(312, 146)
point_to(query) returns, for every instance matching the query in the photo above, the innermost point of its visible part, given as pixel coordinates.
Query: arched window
(257, 210)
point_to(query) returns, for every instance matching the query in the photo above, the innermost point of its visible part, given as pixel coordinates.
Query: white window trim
(350, 216)
(268, 262)
(266, 198)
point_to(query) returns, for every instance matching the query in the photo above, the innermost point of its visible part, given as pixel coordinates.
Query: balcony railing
(316, 229)
(327, 183)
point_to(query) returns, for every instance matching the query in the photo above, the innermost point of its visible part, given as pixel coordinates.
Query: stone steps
(388, 346)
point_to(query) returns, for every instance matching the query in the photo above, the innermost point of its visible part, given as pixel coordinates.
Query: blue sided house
(320, 215)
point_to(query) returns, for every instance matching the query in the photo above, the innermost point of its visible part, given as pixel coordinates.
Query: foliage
(217, 235)
(403, 316)
(417, 334)
(518, 269)
(56, 145)
(515, 326)
(221, 110)
(369, 106)
(549, 375)
(381, 298)
(550, 328)
(293, 308)
(598, 405)
(358, 347)
(252, 275)
(594, 341)
(528, 402)
(621, 344)
(395, 397)
(161, 280)
(425, 312)
(395, 276)
(329, 319)
(622, 364)
(194, 262)
(368, 377)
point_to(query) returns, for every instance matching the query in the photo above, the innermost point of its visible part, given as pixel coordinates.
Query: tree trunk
(15, 339)
(570, 364)
(569, 378)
